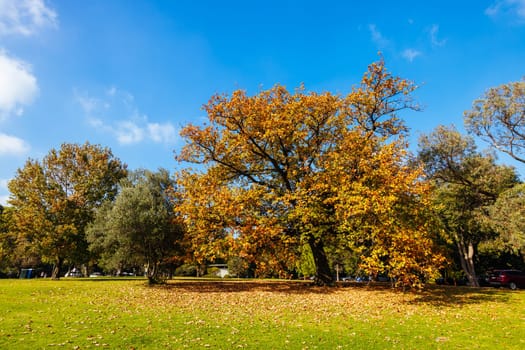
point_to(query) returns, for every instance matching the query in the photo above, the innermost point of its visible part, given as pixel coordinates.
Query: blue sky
(129, 74)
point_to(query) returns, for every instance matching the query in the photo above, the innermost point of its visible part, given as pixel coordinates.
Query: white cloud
(383, 43)
(12, 145)
(133, 128)
(88, 104)
(434, 30)
(128, 132)
(410, 54)
(25, 17)
(377, 37)
(18, 86)
(162, 133)
(507, 8)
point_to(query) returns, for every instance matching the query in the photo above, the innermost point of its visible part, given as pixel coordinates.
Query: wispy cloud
(434, 32)
(513, 9)
(164, 133)
(377, 37)
(128, 132)
(25, 17)
(383, 43)
(131, 127)
(12, 146)
(18, 86)
(410, 54)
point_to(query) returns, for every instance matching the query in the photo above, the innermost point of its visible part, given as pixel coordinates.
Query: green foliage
(499, 118)
(7, 240)
(186, 270)
(212, 272)
(507, 218)
(467, 183)
(139, 227)
(306, 264)
(239, 268)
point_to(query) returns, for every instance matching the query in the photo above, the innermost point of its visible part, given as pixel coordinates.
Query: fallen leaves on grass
(260, 314)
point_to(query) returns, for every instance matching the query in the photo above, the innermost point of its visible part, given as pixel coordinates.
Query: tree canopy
(499, 118)
(139, 227)
(286, 169)
(507, 217)
(286, 183)
(466, 184)
(55, 199)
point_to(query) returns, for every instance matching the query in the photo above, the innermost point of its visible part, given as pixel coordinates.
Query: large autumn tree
(54, 199)
(467, 183)
(287, 169)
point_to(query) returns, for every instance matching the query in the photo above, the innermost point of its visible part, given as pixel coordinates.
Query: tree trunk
(323, 275)
(153, 273)
(55, 274)
(466, 257)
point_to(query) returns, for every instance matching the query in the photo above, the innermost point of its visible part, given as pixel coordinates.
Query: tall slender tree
(467, 183)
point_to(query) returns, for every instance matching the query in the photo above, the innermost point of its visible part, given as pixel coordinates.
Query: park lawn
(126, 314)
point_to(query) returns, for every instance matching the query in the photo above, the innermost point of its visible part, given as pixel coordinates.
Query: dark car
(507, 278)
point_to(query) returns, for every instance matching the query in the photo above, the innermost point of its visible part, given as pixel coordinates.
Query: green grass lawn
(186, 314)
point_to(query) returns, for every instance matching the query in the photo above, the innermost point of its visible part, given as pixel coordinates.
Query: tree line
(288, 184)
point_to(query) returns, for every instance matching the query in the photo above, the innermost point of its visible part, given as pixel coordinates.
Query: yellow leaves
(380, 95)
(385, 202)
(289, 165)
(224, 220)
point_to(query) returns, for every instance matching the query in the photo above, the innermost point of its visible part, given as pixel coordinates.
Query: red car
(507, 278)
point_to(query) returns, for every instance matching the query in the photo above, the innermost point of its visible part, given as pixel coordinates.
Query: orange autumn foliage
(286, 169)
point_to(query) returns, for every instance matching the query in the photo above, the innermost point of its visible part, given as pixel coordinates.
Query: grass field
(126, 314)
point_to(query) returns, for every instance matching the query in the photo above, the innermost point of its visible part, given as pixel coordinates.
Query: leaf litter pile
(257, 315)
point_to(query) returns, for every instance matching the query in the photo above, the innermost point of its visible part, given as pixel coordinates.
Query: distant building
(222, 269)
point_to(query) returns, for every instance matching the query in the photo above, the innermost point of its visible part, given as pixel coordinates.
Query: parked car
(95, 275)
(73, 274)
(362, 279)
(507, 278)
(483, 280)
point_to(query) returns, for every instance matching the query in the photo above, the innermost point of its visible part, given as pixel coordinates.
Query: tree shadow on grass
(236, 286)
(443, 295)
(458, 296)
(103, 279)
(449, 296)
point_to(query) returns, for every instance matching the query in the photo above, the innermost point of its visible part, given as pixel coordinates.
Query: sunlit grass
(126, 314)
